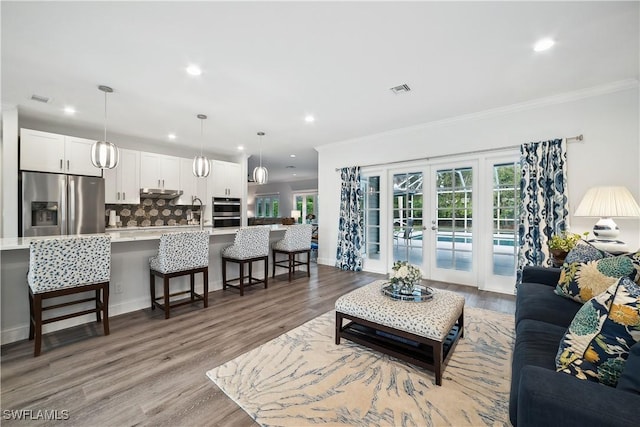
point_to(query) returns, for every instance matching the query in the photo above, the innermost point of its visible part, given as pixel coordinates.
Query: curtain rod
(488, 150)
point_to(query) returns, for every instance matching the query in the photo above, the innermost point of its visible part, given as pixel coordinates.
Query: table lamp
(607, 203)
(295, 215)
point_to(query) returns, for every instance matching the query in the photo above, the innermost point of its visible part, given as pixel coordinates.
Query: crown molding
(562, 98)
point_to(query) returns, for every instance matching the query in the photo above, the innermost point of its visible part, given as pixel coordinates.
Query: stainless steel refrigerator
(55, 204)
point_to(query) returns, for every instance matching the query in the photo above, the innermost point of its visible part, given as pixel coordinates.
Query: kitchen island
(129, 287)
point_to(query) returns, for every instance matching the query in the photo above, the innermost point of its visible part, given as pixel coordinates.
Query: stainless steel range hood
(159, 193)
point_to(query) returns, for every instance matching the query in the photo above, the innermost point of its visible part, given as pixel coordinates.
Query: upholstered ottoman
(422, 333)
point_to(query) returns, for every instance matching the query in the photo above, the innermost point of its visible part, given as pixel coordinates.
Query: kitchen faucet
(193, 201)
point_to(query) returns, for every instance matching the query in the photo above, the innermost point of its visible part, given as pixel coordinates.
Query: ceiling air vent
(400, 89)
(40, 98)
(290, 167)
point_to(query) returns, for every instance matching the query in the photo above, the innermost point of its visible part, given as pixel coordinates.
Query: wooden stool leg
(98, 308)
(193, 286)
(205, 294)
(241, 267)
(309, 263)
(266, 271)
(292, 259)
(274, 263)
(166, 297)
(37, 314)
(31, 317)
(250, 272)
(224, 274)
(152, 290)
(105, 307)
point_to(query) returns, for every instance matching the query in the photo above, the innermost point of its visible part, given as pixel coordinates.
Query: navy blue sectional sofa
(540, 396)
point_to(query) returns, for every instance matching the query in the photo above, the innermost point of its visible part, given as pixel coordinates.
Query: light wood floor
(151, 371)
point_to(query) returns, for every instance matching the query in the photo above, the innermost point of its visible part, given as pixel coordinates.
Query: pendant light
(260, 174)
(201, 165)
(105, 154)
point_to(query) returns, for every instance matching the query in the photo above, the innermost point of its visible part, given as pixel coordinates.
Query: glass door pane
(407, 217)
(371, 211)
(454, 219)
(506, 197)
(452, 254)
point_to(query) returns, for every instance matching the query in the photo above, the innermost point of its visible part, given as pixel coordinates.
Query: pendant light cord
(201, 135)
(105, 116)
(260, 151)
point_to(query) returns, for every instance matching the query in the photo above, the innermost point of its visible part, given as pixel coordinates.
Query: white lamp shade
(608, 202)
(201, 166)
(104, 155)
(295, 214)
(260, 175)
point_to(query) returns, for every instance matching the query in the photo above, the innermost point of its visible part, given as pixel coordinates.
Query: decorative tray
(420, 293)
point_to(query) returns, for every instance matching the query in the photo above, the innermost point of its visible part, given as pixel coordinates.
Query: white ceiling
(268, 64)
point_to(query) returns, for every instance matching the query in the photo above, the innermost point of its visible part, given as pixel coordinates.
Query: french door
(432, 223)
(451, 234)
(456, 219)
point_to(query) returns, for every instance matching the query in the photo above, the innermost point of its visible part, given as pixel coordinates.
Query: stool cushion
(181, 251)
(67, 262)
(296, 238)
(250, 242)
(431, 319)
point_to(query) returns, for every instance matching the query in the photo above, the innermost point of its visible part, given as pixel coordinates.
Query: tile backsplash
(150, 213)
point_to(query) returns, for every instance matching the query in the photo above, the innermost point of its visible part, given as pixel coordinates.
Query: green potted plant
(561, 244)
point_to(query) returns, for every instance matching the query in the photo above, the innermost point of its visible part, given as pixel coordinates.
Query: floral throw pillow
(588, 271)
(597, 343)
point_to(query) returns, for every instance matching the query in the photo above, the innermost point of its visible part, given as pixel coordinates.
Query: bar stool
(65, 266)
(297, 240)
(180, 254)
(251, 244)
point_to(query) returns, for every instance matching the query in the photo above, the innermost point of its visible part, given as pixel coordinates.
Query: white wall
(9, 176)
(607, 116)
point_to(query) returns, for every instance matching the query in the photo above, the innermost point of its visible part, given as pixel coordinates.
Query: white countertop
(128, 234)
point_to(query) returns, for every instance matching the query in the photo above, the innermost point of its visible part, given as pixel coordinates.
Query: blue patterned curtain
(543, 192)
(349, 254)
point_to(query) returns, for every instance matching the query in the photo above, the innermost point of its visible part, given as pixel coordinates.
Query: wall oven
(226, 212)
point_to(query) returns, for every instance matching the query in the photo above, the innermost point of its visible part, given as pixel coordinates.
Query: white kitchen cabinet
(191, 185)
(122, 183)
(159, 171)
(226, 179)
(51, 152)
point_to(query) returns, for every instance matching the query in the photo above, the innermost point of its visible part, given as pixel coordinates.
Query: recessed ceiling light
(309, 118)
(194, 70)
(69, 110)
(292, 155)
(171, 136)
(543, 44)
(240, 147)
(294, 174)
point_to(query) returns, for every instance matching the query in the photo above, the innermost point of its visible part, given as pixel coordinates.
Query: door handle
(67, 164)
(123, 196)
(433, 227)
(60, 164)
(118, 195)
(163, 183)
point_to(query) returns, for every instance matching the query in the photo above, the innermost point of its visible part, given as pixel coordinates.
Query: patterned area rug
(302, 378)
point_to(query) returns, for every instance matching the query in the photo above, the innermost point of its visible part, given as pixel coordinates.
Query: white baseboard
(18, 333)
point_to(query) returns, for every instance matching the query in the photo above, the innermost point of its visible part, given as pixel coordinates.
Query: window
(267, 206)
(307, 204)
